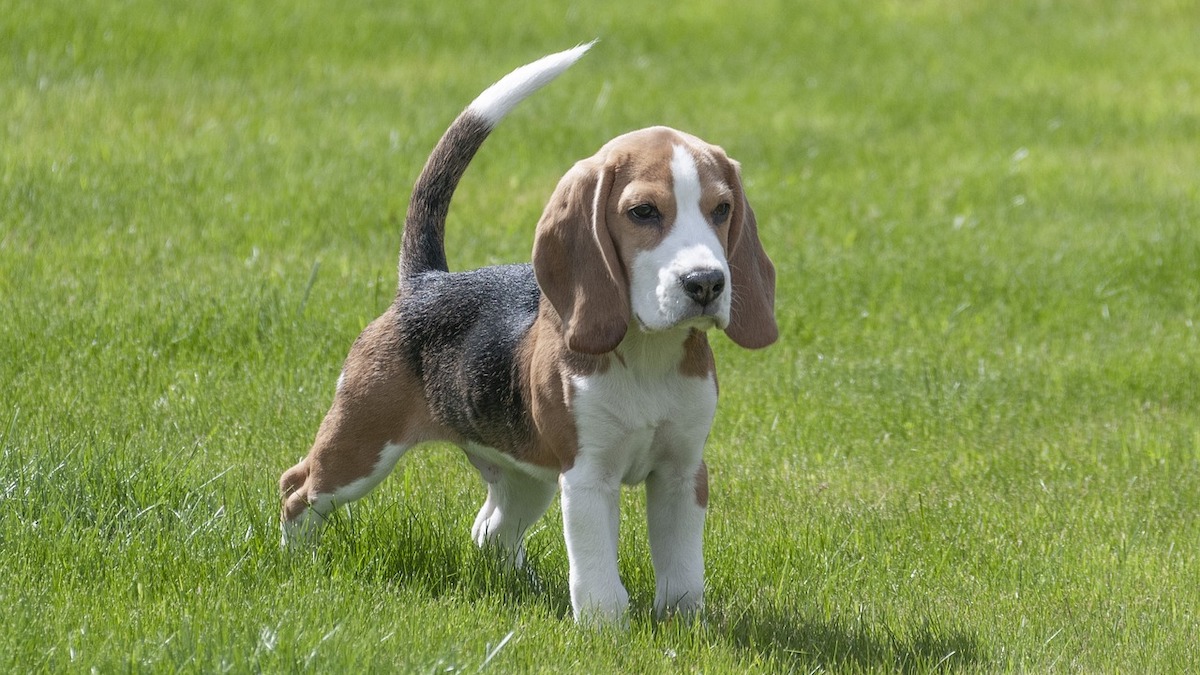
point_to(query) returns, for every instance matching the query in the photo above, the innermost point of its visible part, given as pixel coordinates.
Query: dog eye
(644, 213)
(720, 213)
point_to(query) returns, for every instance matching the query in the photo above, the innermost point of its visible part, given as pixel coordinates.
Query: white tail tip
(497, 100)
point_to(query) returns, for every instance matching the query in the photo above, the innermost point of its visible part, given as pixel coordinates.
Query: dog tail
(423, 247)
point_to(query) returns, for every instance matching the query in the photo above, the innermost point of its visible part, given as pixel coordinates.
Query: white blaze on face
(691, 245)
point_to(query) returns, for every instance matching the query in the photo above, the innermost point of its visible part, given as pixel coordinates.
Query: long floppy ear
(576, 262)
(752, 312)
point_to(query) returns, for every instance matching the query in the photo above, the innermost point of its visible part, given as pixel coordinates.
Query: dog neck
(654, 354)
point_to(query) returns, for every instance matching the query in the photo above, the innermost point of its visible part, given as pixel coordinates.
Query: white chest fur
(642, 412)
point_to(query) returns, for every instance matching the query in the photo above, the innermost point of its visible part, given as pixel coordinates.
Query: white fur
(482, 456)
(638, 421)
(518, 494)
(676, 528)
(691, 245)
(514, 502)
(497, 100)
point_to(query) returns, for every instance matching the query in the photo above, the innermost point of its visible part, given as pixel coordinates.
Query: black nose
(703, 286)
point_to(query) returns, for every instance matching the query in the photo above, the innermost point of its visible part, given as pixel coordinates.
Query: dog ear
(752, 275)
(576, 262)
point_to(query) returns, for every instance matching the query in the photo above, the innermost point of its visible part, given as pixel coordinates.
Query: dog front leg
(676, 502)
(591, 520)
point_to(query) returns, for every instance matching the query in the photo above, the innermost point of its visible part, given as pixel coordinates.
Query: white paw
(483, 525)
(687, 606)
(486, 534)
(606, 606)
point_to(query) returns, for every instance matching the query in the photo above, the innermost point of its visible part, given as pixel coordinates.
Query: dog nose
(703, 286)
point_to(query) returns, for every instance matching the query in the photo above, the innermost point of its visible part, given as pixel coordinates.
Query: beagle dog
(586, 370)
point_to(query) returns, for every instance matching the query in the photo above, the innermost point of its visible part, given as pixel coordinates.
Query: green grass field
(976, 446)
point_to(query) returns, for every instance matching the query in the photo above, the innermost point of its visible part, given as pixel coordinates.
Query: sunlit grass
(975, 447)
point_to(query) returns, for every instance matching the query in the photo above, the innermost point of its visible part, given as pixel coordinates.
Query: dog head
(654, 229)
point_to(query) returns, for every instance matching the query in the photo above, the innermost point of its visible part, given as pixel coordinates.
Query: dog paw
(601, 608)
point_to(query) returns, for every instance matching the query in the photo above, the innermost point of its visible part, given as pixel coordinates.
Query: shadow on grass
(804, 643)
(432, 554)
(424, 553)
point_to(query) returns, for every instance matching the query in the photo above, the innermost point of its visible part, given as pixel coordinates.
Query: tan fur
(591, 299)
(550, 366)
(697, 358)
(379, 402)
(752, 313)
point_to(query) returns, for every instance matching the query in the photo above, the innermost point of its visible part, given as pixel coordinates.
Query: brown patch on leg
(379, 402)
(702, 485)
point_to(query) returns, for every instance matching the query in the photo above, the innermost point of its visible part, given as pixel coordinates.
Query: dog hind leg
(331, 475)
(514, 502)
(378, 413)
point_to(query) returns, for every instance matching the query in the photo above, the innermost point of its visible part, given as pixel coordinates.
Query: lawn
(976, 446)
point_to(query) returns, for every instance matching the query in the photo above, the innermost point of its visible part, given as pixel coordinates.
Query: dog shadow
(807, 644)
(427, 556)
(789, 639)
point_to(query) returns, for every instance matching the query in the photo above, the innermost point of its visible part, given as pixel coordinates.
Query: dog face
(654, 230)
(678, 269)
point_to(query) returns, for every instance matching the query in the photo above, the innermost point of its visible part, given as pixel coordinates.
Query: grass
(975, 448)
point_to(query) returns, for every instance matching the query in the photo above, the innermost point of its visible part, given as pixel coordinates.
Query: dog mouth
(697, 317)
(704, 322)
